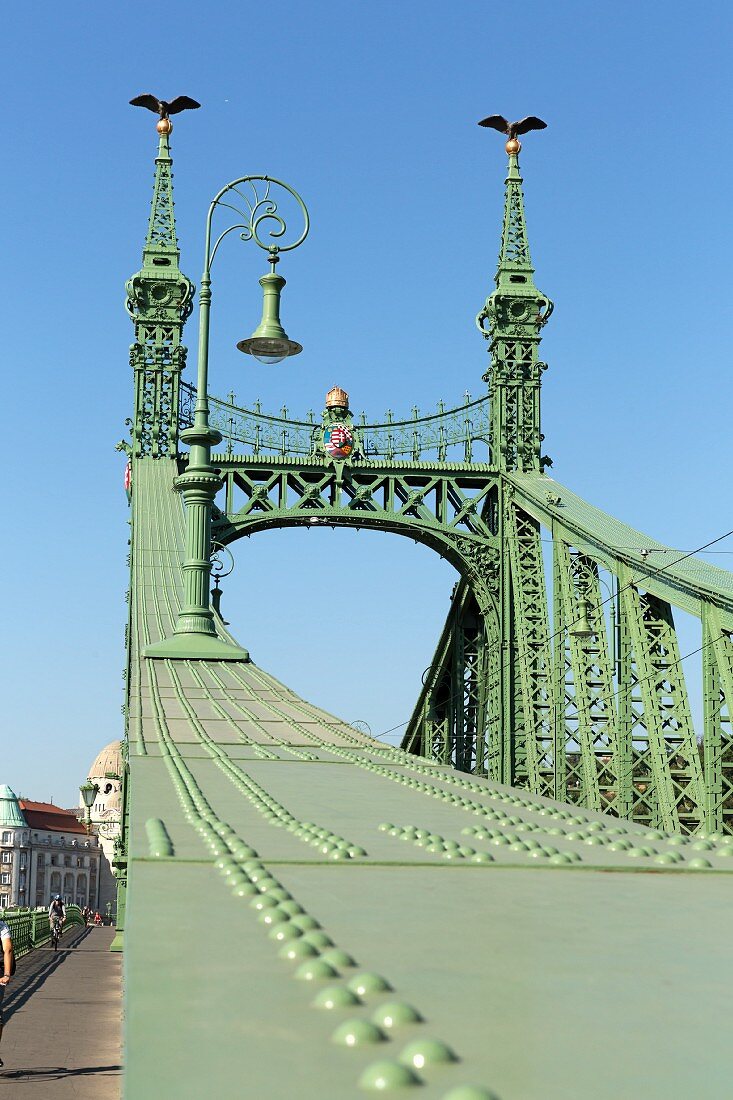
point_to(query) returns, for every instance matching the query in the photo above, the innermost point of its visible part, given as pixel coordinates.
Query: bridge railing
(460, 433)
(30, 928)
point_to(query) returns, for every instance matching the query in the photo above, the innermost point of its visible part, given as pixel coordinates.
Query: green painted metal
(29, 928)
(159, 300)
(515, 312)
(195, 631)
(718, 740)
(361, 899)
(11, 814)
(456, 434)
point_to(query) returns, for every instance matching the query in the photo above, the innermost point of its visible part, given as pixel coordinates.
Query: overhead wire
(566, 627)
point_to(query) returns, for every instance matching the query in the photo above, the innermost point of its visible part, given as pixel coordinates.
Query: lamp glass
(268, 349)
(88, 793)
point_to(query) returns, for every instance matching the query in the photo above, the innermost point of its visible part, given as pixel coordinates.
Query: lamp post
(88, 793)
(195, 631)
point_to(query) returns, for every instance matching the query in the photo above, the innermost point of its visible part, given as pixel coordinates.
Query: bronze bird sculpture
(162, 107)
(511, 129)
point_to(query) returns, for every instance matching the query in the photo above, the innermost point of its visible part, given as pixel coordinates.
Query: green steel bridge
(529, 899)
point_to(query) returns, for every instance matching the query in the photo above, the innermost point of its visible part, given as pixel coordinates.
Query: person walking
(8, 967)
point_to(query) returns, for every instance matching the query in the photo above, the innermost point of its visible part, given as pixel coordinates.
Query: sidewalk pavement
(63, 1022)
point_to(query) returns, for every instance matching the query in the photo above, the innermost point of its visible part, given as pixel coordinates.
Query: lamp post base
(196, 647)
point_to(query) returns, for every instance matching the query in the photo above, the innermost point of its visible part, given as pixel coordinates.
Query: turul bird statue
(162, 107)
(511, 129)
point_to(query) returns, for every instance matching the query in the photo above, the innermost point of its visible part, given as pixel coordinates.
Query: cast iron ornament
(162, 107)
(511, 129)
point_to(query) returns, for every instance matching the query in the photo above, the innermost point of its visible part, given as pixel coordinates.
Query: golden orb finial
(164, 126)
(513, 146)
(336, 398)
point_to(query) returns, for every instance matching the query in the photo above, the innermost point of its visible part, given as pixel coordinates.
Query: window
(5, 878)
(23, 859)
(3, 901)
(40, 859)
(80, 861)
(67, 861)
(7, 838)
(54, 861)
(7, 857)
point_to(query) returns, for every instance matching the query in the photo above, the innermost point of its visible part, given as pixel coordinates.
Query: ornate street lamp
(195, 633)
(89, 792)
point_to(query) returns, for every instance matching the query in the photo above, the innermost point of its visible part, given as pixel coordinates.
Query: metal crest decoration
(338, 441)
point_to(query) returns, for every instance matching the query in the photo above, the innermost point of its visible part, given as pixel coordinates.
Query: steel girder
(526, 635)
(598, 716)
(667, 775)
(449, 722)
(718, 710)
(444, 506)
(585, 703)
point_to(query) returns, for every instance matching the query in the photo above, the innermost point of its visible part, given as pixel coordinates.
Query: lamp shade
(270, 342)
(582, 628)
(88, 793)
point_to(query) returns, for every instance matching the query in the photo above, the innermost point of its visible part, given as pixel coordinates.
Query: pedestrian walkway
(63, 1022)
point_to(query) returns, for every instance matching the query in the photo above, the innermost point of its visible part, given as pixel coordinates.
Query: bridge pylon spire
(159, 300)
(516, 312)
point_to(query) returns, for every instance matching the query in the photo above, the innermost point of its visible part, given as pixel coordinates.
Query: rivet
(318, 939)
(340, 959)
(385, 1076)
(354, 1033)
(336, 996)
(283, 932)
(427, 1052)
(395, 1014)
(315, 971)
(367, 983)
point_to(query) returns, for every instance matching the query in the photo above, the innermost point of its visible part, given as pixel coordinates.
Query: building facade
(106, 813)
(45, 850)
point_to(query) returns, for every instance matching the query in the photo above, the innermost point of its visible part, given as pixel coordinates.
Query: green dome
(10, 811)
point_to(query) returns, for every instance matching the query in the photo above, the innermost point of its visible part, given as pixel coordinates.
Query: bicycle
(55, 932)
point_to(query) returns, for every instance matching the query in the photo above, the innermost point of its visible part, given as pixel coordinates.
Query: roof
(108, 760)
(10, 813)
(44, 815)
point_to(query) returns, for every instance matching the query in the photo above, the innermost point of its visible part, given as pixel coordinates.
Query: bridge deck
(554, 951)
(63, 1022)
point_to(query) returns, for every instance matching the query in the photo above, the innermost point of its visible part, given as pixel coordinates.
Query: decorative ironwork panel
(452, 435)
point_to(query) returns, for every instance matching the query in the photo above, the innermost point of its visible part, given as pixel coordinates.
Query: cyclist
(56, 912)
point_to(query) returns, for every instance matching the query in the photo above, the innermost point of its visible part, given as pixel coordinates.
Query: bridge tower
(489, 692)
(159, 300)
(516, 312)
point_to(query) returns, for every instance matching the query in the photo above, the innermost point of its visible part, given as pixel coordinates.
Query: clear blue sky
(369, 110)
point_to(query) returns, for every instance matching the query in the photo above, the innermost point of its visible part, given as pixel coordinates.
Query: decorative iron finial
(511, 129)
(163, 108)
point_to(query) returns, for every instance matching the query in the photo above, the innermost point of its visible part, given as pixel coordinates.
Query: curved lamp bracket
(256, 212)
